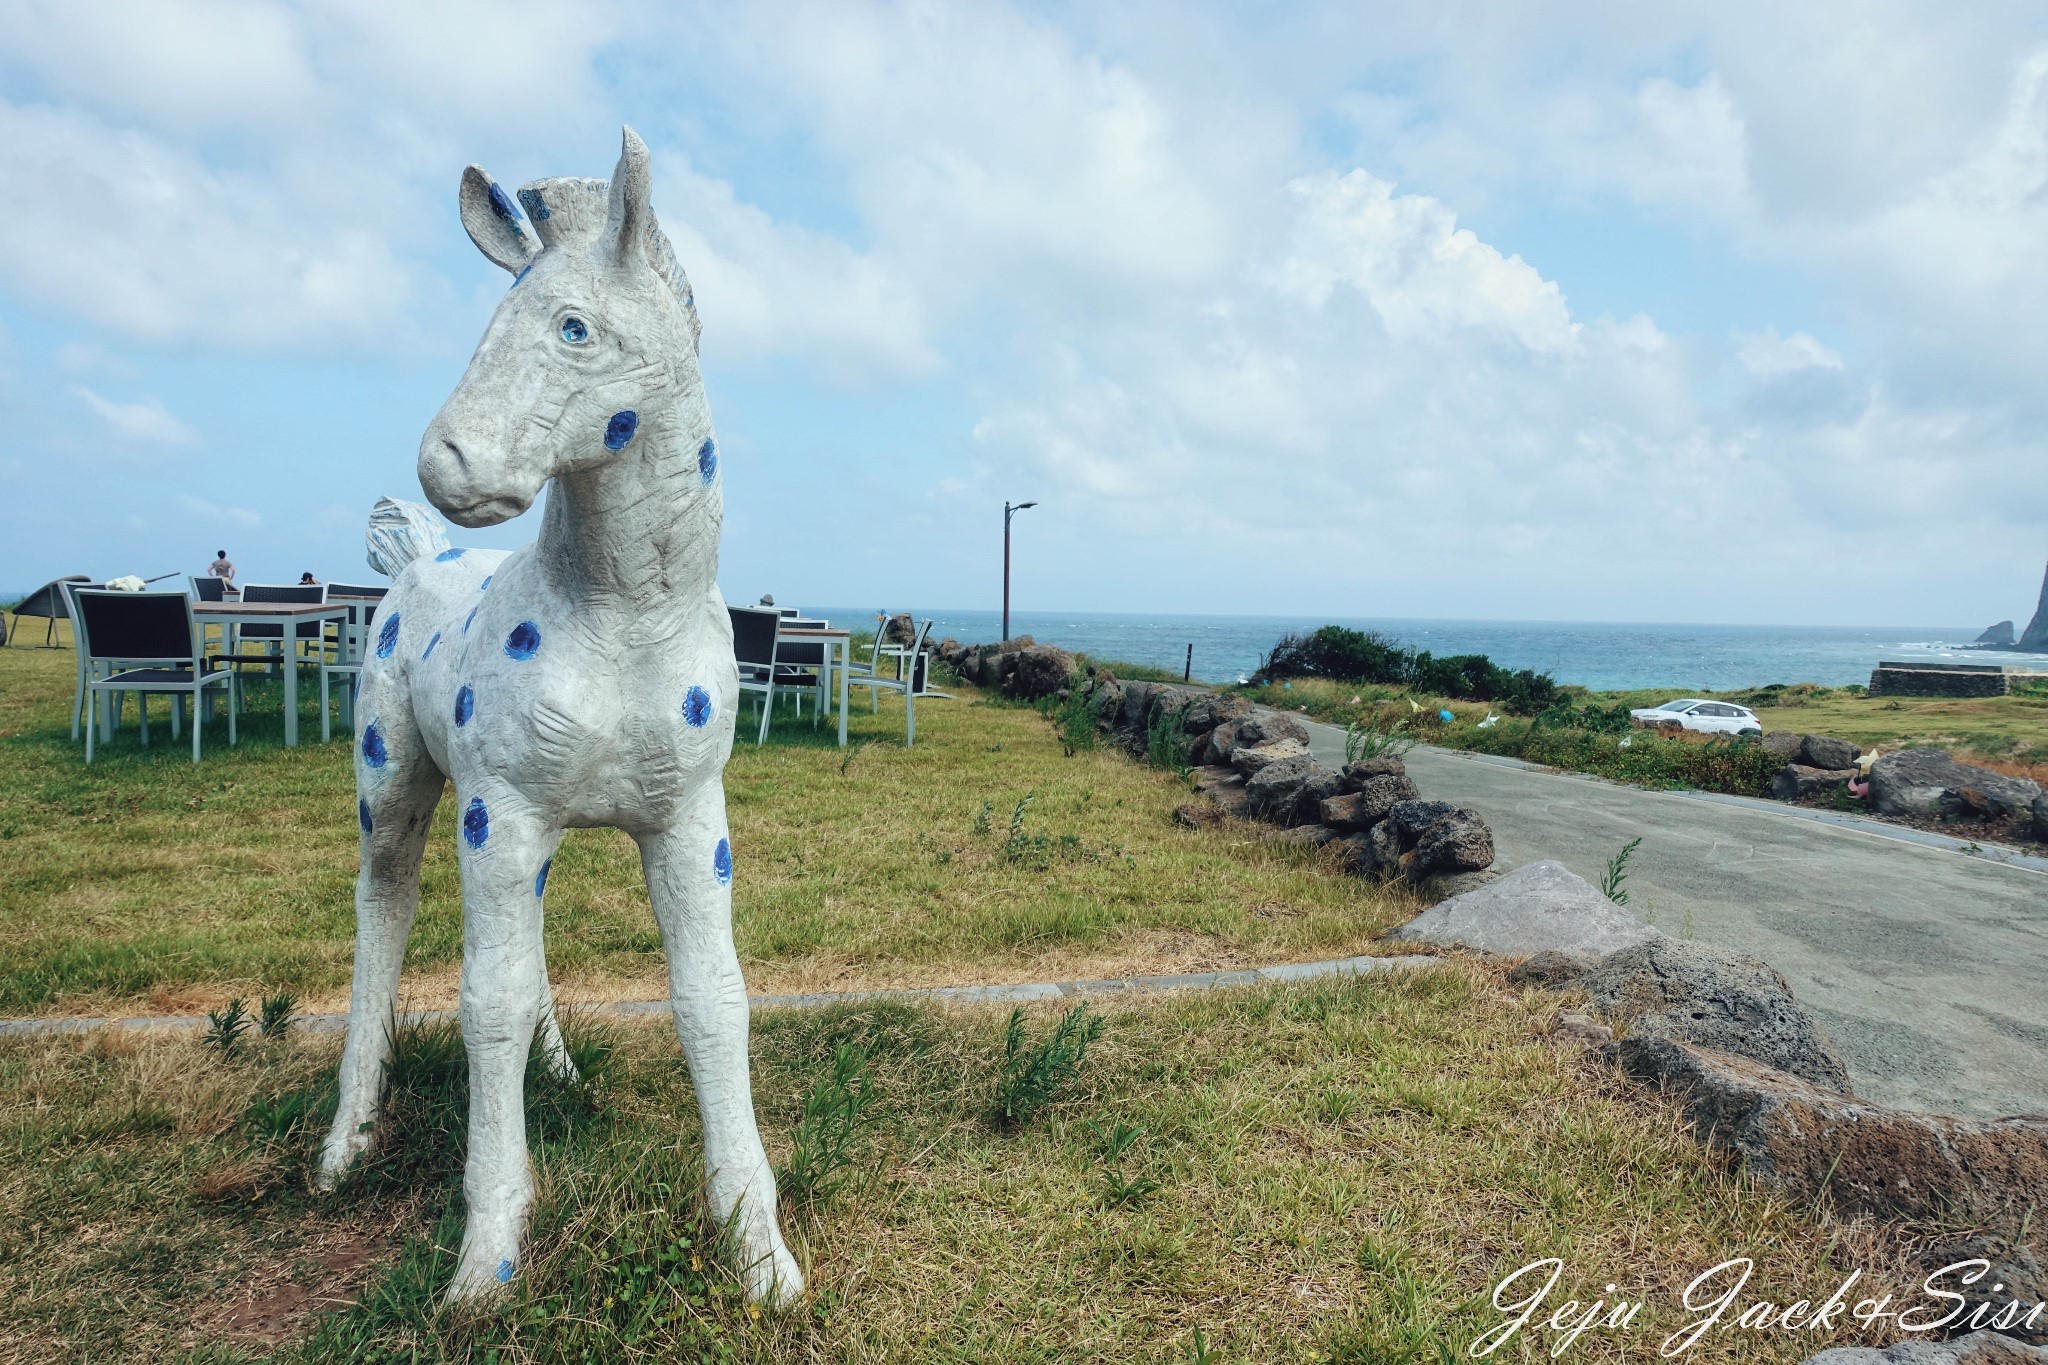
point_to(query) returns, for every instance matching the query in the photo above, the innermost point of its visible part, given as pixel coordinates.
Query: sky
(1721, 313)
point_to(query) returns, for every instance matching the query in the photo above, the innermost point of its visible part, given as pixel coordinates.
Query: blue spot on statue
(387, 637)
(363, 814)
(501, 203)
(504, 1271)
(428, 652)
(524, 271)
(721, 863)
(465, 704)
(540, 880)
(485, 586)
(524, 641)
(535, 205)
(476, 823)
(620, 429)
(447, 556)
(467, 620)
(707, 460)
(373, 746)
(697, 707)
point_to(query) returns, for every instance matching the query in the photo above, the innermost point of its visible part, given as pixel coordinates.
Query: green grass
(2010, 733)
(144, 883)
(1331, 1172)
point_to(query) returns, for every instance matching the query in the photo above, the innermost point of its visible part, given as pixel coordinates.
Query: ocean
(1597, 654)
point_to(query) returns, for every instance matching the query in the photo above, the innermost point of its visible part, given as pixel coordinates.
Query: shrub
(1716, 763)
(837, 1111)
(1364, 656)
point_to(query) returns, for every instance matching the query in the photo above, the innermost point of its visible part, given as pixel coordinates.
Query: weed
(1166, 742)
(279, 1116)
(1614, 885)
(981, 816)
(1376, 737)
(1114, 1143)
(1074, 714)
(1034, 1075)
(279, 1013)
(836, 1113)
(225, 1028)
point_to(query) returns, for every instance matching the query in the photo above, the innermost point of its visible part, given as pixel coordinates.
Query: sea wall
(1946, 680)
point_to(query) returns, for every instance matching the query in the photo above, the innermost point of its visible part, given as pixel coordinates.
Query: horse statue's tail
(401, 532)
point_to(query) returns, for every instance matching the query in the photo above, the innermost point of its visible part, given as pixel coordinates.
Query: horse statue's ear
(494, 222)
(630, 216)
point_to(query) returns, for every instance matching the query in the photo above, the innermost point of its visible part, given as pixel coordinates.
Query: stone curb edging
(952, 995)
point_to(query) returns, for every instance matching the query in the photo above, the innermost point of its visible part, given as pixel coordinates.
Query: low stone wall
(1946, 680)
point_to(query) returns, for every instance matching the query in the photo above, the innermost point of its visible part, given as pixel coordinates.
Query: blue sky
(1702, 313)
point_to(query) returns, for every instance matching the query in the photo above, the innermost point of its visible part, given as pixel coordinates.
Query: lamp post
(1008, 512)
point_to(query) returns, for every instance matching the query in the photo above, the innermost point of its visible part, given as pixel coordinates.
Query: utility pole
(1008, 512)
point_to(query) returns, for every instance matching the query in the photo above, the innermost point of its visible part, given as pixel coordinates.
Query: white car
(1708, 717)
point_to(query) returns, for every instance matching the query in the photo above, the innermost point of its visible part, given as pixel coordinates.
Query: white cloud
(1422, 274)
(242, 517)
(123, 231)
(1768, 354)
(147, 421)
(766, 288)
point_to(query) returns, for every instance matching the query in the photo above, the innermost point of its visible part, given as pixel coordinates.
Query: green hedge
(1739, 766)
(1364, 656)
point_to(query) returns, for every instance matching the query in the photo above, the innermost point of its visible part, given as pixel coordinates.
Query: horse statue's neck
(638, 534)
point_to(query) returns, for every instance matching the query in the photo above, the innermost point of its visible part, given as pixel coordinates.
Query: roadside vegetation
(1330, 1172)
(145, 884)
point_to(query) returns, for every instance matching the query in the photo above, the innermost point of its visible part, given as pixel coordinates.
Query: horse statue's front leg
(397, 787)
(502, 847)
(689, 879)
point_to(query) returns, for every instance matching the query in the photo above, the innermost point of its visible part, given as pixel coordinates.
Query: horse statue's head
(595, 340)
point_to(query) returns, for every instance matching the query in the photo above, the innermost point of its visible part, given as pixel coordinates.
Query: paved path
(1928, 966)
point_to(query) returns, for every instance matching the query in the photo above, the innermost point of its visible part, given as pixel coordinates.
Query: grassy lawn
(1326, 1172)
(146, 884)
(2009, 734)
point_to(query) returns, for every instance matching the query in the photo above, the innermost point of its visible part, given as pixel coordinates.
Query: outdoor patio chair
(66, 609)
(912, 679)
(313, 633)
(350, 641)
(48, 602)
(149, 642)
(800, 664)
(753, 647)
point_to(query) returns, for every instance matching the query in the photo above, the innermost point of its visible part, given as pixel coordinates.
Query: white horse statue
(587, 679)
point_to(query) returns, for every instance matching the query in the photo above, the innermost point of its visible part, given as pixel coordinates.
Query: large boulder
(1783, 744)
(1867, 1159)
(1820, 751)
(1364, 770)
(1261, 726)
(1931, 785)
(1208, 710)
(1715, 998)
(1253, 758)
(1796, 781)
(1458, 842)
(1541, 906)
(2041, 817)
(1224, 786)
(1277, 792)
(1366, 805)
(1978, 1348)
(1038, 672)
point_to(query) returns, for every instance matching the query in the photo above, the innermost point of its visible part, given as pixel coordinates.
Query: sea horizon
(1602, 655)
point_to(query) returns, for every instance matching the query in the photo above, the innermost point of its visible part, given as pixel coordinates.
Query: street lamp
(1008, 512)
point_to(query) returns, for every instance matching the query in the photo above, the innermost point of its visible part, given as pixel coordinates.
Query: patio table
(836, 642)
(285, 614)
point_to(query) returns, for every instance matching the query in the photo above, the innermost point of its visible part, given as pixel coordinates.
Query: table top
(267, 608)
(813, 633)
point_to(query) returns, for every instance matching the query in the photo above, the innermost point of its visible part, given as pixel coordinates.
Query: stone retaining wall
(1946, 680)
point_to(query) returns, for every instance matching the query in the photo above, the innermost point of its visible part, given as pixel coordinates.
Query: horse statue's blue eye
(574, 332)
